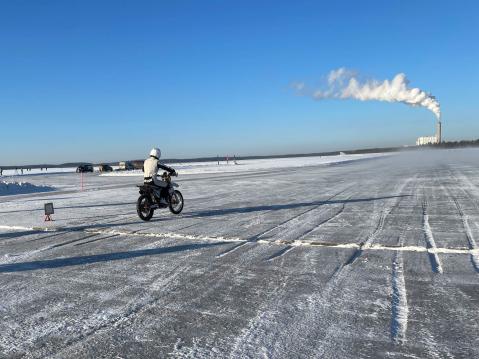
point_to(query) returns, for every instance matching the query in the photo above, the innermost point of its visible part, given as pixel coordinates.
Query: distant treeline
(139, 163)
(454, 144)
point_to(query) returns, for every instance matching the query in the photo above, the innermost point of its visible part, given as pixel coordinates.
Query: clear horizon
(221, 157)
(102, 81)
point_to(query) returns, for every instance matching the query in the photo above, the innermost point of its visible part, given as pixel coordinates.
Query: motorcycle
(151, 195)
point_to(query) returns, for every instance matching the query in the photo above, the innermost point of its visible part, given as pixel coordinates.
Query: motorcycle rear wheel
(143, 207)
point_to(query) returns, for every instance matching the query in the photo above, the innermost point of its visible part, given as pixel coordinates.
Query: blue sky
(107, 80)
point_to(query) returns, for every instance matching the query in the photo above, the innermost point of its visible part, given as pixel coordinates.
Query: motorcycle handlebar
(166, 175)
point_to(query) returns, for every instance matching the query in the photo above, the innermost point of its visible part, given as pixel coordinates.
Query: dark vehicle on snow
(105, 168)
(85, 168)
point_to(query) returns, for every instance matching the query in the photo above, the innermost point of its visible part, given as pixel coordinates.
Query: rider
(151, 167)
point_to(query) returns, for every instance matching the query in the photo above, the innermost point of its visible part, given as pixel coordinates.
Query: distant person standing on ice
(151, 166)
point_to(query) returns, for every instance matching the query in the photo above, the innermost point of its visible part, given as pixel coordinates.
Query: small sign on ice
(49, 210)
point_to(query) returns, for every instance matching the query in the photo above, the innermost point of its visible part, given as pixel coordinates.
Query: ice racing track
(374, 258)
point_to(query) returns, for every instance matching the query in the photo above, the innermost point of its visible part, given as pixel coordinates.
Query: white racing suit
(151, 167)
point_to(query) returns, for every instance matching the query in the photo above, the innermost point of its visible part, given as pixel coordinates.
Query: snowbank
(11, 188)
(253, 165)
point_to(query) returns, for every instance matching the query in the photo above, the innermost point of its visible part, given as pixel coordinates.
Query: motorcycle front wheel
(176, 202)
(143, 207)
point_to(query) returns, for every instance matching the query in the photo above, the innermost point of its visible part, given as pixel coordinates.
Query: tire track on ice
(294, 218)
(336, 214)
(470, 238)
(70, 242)
(399, 306)
(85, 326)
(280, 253)
(133, 309)
(379, 227)
(210, 279)
(367, 243)
(467, 228)
(430, 243)
(136, 306)
(16, 257)
(441, 294)
(347, 271)
(95, 240)
(258, 237)
(299, 240)
(262, 337)
(208, 347)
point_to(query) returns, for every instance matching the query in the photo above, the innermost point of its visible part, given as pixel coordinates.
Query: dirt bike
(151, 196)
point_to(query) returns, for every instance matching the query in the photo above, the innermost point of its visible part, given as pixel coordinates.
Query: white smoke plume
(344, 84)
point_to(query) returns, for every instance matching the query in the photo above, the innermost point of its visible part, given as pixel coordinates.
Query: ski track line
(431, 244)
(399, 306)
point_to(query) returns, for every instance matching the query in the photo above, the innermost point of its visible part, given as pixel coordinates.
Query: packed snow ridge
(13, 188)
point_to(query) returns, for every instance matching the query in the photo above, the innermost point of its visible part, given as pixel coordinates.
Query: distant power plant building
(426, 140)
(431, 140)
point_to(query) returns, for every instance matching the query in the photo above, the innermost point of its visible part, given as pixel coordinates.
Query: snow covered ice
(373, 258)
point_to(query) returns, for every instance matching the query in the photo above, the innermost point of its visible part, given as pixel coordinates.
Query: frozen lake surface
(375, 258)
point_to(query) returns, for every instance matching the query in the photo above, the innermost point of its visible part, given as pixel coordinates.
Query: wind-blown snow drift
(11, 188)
(344, 84)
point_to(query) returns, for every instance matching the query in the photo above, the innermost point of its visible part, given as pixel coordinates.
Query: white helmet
(155, 152)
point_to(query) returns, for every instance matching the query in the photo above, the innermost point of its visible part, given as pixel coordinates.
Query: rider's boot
(164, 193)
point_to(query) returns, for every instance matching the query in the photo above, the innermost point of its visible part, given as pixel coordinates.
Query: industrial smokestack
(438, 131)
